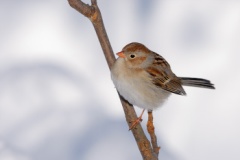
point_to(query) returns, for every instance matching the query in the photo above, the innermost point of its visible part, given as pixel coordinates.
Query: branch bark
(93, 13)
(150, 128)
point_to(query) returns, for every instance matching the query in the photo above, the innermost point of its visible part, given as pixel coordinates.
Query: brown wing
(163, 77)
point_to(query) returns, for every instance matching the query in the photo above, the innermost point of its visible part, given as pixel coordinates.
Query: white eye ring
(132, 56)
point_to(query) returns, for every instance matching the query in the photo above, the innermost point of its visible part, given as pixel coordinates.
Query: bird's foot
(137, 121)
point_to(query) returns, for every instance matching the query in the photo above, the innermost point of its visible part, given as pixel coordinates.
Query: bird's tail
(196, 82)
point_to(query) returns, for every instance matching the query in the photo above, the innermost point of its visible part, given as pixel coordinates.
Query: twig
(93, 13)
(150, 128)
(140, 137)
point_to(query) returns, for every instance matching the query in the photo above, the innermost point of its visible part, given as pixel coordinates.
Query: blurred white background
(57, 100)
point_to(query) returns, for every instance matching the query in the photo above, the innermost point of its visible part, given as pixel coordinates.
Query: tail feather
(196, 82)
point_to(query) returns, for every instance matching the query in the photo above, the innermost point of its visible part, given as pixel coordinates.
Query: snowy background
(57, 100)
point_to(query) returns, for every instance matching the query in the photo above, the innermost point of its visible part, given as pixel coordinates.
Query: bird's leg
(138, 120)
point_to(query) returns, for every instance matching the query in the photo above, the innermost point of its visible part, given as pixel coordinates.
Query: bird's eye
(132, 56)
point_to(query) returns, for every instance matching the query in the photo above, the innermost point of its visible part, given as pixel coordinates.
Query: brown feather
(133, 47)
(162, 80)
(159, 60)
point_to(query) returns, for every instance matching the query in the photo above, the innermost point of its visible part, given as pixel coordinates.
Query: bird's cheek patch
(137, 60)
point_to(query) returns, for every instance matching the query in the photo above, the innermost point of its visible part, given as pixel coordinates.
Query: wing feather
(163, 77)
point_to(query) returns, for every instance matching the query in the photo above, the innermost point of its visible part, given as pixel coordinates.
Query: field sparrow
(145, 79)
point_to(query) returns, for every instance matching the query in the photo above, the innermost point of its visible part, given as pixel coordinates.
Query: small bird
(145, 79)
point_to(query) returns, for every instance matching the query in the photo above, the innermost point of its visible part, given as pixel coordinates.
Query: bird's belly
(141, 92)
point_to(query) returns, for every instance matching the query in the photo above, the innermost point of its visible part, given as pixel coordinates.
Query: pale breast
(137, 88)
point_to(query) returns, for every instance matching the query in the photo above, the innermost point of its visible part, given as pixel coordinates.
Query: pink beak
(121, 54)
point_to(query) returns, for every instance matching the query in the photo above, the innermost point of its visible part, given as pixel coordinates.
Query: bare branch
(83, 8)
(94, 2)
(94, 14)
(140, 137)
(150, 128)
